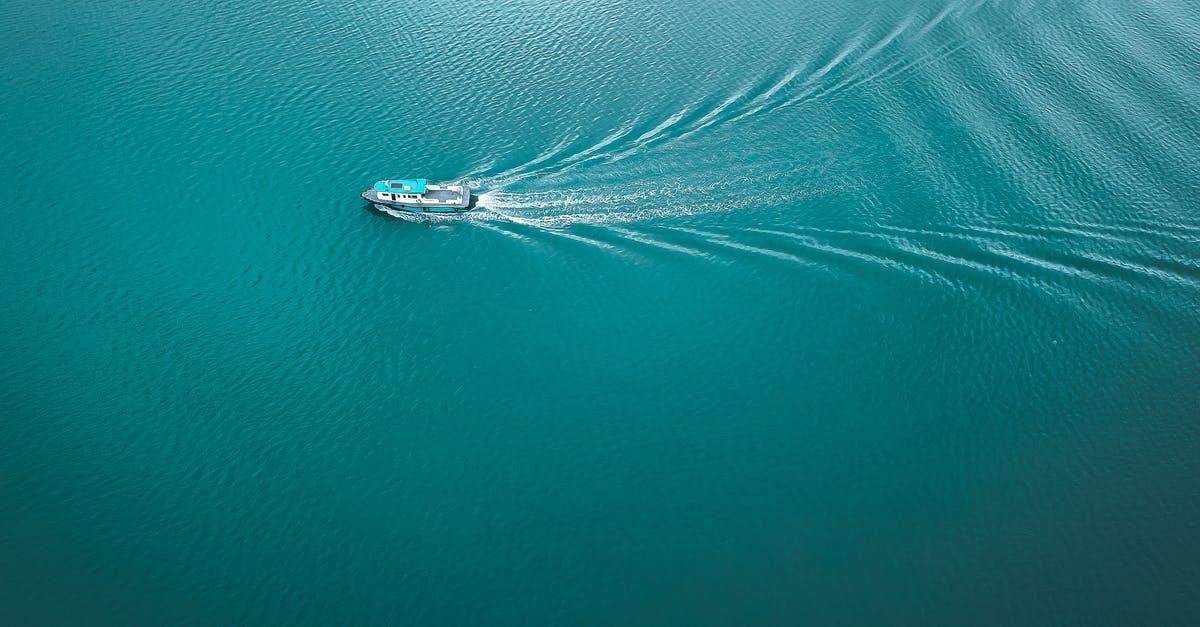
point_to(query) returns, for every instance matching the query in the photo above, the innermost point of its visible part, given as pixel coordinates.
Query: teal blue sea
(772, 312)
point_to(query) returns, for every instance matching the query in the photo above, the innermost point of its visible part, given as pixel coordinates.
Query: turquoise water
(852, 313)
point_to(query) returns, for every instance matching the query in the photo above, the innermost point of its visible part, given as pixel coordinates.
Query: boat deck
(443, 194)
(436, 199)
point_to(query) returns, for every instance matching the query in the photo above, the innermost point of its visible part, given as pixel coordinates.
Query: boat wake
(875, 51)
(649, 198)
(958, 258)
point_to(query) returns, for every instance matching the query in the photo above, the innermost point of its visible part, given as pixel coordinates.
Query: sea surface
(772, 312)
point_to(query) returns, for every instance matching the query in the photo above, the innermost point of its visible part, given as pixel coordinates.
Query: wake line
(751, 103)
(796, 85)
(595, 211)
(725, 241)
(676, 126)
(640, 238)
(624, 141)
(900, 67)
(932, 255)
(890, 70)
(888, 39)
(996, 256)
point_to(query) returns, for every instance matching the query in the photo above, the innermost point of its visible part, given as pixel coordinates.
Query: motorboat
(419, 196)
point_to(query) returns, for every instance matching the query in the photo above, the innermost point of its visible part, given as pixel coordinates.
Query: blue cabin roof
(401, 186)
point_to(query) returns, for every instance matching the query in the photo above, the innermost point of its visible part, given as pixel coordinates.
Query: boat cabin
(416, 195)
(401, 189)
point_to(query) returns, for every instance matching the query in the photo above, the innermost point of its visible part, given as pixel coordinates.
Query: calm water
(808, 313)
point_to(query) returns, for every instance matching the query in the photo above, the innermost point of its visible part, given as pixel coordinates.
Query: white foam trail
(488, 165)
(604, 143)
(664, 125)
(937, 19)
(524, 170)
(589, 241)
(711, 117)
(957, 10)
(550, 200)
(599, 218)
(571, 219)
(888, 39)
(496, 229)
(650, 135)
(558, 148)
(486, 199)
(642, 239)
(812, 242)
(759, 102)
(784, 82)
(841, 56)
(902, 245)
(649, 200)
(719, 239)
